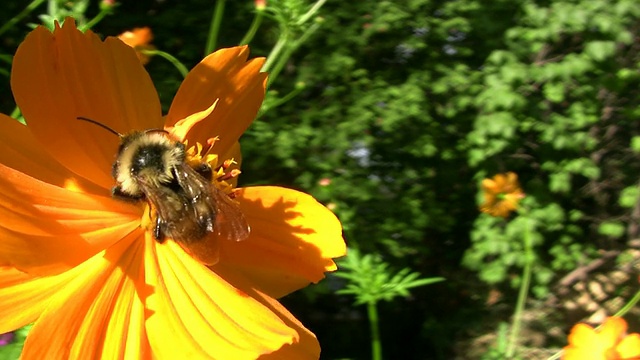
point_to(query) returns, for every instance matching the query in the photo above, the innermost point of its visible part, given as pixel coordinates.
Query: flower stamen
(196, 157)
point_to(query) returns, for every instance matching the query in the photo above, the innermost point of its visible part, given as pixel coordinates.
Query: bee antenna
(100, 124)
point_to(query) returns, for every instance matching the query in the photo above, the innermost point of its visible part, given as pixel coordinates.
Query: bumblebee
(150, 165)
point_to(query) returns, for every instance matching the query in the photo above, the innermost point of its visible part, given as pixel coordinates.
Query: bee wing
(230, 222)
(180, 222)
(170, 209)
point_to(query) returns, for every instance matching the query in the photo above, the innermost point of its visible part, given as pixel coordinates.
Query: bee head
(148, 157)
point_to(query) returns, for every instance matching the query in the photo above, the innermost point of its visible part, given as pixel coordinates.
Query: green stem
(34, 4)
(16, 113)
(214, 28)
(522, 295)
(288, 97)
(376, 347)
(181, 68)
(52, 8)
(275, 52)
(282, 60)
(7, 58)
(307, 33)
(282, 100)
(91, 23)
(314, 9)
(628, 306)
(257, 20)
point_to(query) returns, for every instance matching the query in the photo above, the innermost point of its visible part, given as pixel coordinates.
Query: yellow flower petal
(139, 39)
(293, 240)
(609, 342)
(581, 334)
(47, 229)
(97, 314)
(501, 194)
(182, 127)
(629, 347)
(23, 298)
(490, 186)
(22, 152)
(61, 76)
(612, 330)
(581, 354)
(108, 288)
(226, 75)
(305, 348)
(194, 313)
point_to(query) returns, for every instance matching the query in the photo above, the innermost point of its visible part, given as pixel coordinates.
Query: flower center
(221, 170)
(221, 175)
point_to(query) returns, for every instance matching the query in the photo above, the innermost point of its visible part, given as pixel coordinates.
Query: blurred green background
(401, 108)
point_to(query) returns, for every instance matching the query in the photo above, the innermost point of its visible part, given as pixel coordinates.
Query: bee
(151, 165)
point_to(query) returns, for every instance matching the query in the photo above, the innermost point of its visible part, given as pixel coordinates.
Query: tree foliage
(408, 104)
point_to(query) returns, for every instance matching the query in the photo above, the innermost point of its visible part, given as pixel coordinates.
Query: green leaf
(600, 50)
(560, 182)
(629, 196)
(612, 229)
(554, 92)
(635, 144)
(370, 280)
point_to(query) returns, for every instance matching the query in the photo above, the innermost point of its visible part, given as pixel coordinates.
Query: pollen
(222, 171)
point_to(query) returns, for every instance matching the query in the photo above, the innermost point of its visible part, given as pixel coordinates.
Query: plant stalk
(629, 305)
(275, 52)
(312, 11)
(34, 4)
(172, 59)
(91, 23)
(255, 25)
(376, 346)
(214, 28)
(522, 295)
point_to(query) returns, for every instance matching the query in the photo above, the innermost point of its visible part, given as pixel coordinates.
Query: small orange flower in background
(139, 39)
(261, 4)
(107, 4)
(609, 342)
(501, 194)
(86, 268)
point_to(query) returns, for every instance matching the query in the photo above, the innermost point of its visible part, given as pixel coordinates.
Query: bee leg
(206, 223)
(117, 192)
(157, 231)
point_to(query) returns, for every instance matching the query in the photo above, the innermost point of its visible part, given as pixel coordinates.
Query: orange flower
(610, 342)
(107, 4)
(139, 39)
(86, 268)
(261, 4)
(501, 194)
